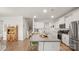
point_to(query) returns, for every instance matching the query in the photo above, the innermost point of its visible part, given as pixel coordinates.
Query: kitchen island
(50, 43)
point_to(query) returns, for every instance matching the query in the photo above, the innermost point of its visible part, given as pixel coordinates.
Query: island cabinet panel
(65, 39)
(49, 46)
(50, 43)
(40, 46)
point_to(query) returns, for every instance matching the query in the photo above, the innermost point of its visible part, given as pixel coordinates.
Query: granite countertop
(50, 38)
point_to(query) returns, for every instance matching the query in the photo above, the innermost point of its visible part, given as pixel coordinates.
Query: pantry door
(12, 33)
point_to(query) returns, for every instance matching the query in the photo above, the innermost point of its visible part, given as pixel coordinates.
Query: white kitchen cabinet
(40, 46)
(49, 46)
(76, 15)
(65, 39)
(68, 19)
(46, 44)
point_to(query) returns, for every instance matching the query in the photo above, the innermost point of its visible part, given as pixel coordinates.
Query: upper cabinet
(60, 21)
(68, 18)
(72, 16)
(76, 15)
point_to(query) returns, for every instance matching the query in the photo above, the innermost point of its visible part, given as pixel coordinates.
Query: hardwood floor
(64, 47)
(18, 46)
(25, 46)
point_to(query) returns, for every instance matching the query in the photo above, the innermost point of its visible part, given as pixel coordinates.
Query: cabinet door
(40, 46)
(65, 39)
(68, 20)
(51, 46)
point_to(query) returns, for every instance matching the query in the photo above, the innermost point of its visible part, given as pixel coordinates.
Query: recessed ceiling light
(34, 17)
(45, 10)
(52, 16)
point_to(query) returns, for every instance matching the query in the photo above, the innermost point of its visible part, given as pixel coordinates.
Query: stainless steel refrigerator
(74, 35)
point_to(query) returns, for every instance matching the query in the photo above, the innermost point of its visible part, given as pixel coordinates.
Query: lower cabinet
(49, 46)
(65, 39)
(40, 46)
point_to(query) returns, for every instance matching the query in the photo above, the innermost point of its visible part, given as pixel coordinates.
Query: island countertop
(38, 38)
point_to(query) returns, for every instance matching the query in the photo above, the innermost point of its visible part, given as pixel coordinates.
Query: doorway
(12, 33)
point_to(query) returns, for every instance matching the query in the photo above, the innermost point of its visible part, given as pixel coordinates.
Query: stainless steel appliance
(74, 35)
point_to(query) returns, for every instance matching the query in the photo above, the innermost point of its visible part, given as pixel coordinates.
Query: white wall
(1, 28)
(13, 21)
(29, 23)
(25, 28)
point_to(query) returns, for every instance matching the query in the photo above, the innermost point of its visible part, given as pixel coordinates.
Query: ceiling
(29, 12)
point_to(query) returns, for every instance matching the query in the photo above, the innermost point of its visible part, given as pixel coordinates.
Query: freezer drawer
(73, 44)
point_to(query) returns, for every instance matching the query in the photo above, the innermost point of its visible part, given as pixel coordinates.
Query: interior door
(12, 33)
